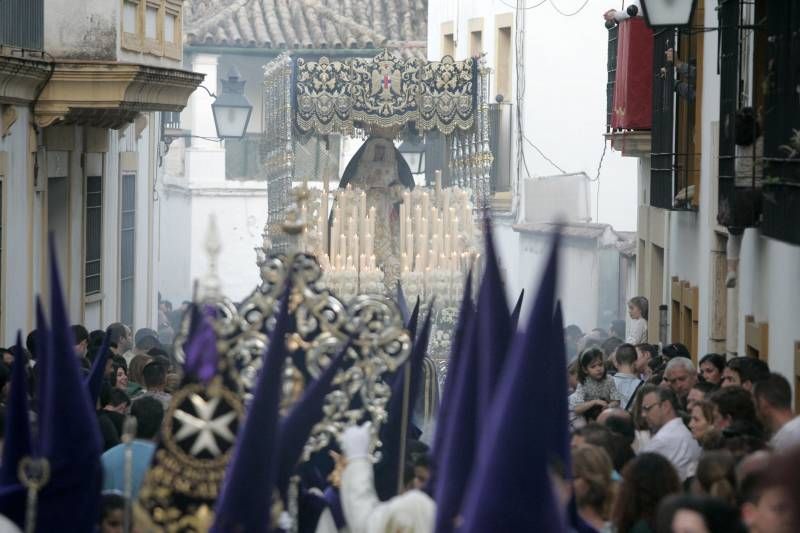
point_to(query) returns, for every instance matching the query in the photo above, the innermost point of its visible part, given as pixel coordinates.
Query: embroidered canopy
(385, 91)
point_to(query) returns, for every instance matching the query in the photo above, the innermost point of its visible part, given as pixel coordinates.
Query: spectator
(701, 422)
(681, 376)
(610, 346)
(596, 390)
(120, 341)
(148, 414)
(637, 310)
(767, 505)
(591, 468)
(141, 333)
(745, 372)
(697, 514)
(119, 377)
(676, 349)
(699, 392)
(671, 437)
(112, 516)
(645, 482)
(616, 446)
(96, 338)
(81, 337)
(734, 407)
(135, 377)
(711, 367)
(572, 334)
(617, 329)
(773, 397)
(155, 379)
(625, 379)
(644, 354)
(716, 476)
(113, 405)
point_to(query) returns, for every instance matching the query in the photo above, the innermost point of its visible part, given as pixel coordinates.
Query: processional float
(332, 302)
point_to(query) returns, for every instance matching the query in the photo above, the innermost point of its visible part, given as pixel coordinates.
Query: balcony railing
(22, 24)
(629, 87)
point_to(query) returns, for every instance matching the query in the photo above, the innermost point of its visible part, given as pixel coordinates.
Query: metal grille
(613, 36)
(94, 235)
(127, 266)
(661, 157)
(243, 158)
(782, 122)
(22, 23)
(171, 120)
(728, 103)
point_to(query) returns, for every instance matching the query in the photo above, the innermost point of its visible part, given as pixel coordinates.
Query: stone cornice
(110, 94)
(20, 79)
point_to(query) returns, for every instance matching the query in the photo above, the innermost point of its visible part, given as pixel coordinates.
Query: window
(781, 188)
(685, 311)
(475, 43)
(130, 16)
(152, 27)
(756, 338)
(503, 62)
(676, 143)
(151, 22)
(742, 43)
(170, 24)
(243, 158)
(94, 235)
(662, 130)
(448, 40)
(127, 248)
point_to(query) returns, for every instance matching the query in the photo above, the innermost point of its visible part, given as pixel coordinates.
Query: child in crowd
(637, 310)
(596, 390)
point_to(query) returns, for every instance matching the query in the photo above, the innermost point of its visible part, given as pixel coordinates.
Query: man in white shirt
(671, 437)
(773, 397)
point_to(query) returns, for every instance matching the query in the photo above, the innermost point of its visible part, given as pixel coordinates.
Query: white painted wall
(769, 270)
(564, 102)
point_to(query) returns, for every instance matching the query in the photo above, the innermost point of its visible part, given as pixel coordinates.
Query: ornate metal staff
(33, 474)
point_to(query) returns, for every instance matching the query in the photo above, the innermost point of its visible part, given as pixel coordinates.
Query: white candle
(438, 181)
(343, 245)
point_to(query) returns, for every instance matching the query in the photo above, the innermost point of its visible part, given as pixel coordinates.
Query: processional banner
(386, 92)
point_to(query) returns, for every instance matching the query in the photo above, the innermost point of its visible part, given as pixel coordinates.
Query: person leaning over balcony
(746, 207)
(613, 15)
(687, 72)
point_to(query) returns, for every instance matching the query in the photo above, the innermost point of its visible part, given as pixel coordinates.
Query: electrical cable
(521, 7)
(543, 155)
(585, 3)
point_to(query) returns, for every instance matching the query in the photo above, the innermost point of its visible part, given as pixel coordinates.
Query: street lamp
(231, 108)
(671, 13)
(414, 154)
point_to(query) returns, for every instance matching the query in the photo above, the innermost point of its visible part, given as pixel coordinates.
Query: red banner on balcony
(633, 89)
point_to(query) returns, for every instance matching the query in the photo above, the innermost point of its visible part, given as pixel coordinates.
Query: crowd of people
(660, 444)
(657, 443)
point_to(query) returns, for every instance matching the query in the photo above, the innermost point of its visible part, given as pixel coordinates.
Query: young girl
(637, 310)
(596, 389)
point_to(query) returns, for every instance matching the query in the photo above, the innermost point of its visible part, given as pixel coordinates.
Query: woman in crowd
(697, 514)
(716, 476)
(711, 367)
(120, 377)
(701, 424)
(646, 480)
(592, 485)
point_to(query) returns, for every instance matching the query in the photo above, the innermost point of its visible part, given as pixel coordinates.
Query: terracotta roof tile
(308, 23)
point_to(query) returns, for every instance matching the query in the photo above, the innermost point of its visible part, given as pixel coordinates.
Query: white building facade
(548, 81)
(80, 150)
(682, 246)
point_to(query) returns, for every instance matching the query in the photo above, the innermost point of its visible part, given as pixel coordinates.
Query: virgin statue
(379, 169)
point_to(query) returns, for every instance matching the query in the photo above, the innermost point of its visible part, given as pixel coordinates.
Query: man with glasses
(671, 437)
